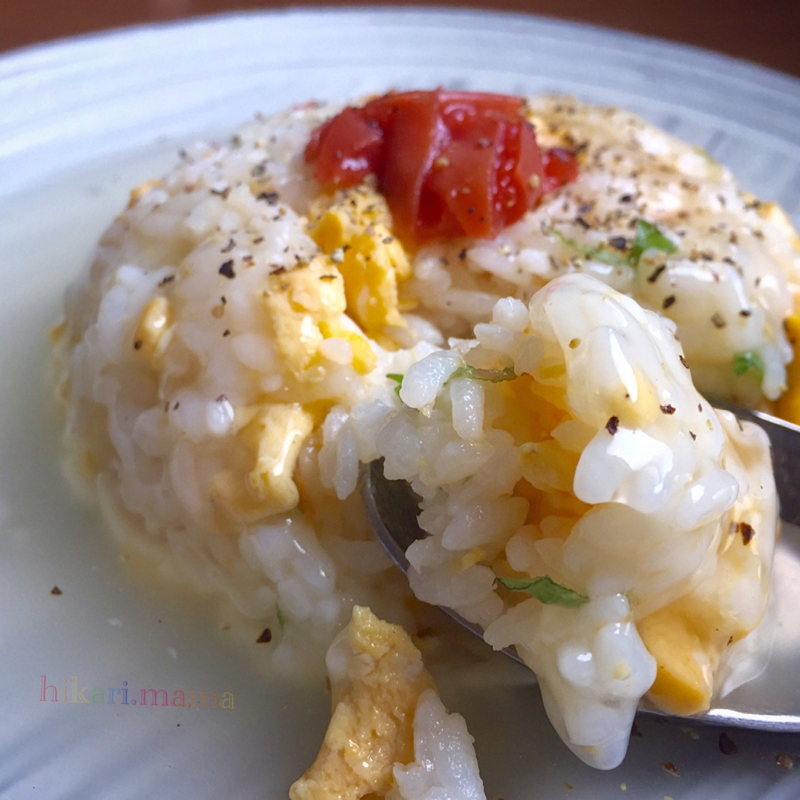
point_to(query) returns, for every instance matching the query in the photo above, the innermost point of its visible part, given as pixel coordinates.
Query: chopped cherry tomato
(560, 167)
(449, 163)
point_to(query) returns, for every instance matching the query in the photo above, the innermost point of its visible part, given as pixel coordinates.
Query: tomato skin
(359, 144)
(560, 167)
(449, 163)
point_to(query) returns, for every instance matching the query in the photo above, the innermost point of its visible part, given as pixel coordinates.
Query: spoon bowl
(770, 701)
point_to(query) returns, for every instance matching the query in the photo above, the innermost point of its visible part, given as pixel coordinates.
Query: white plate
(80, 122)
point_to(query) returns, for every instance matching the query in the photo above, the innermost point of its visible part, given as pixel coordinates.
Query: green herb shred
(398, 379)
(491, 375)
(597, 253)
(648, 237)
(545, 591)
(748, 360)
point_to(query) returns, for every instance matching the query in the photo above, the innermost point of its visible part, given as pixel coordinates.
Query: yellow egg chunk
(788, 406)
(689, 637)
(282, 429)
(364, 358)
(298, 301)
(354, 229)
(371, 728)
(684, 680)
(774, 214)
(276, 435)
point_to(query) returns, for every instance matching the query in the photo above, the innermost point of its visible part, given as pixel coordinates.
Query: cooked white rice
(597, 463)
(729, 285)
(186, 419)
(220, 391)
(390, 735)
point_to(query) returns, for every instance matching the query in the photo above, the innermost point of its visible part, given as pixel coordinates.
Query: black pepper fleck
(462, 255)
(668, 301)
(612, 425)
(684, 361)
(747, 533)
(55, 590)
(266, 636)
(656, 273)
(667, 409)
(619, 242)
(270, 198)
(227, 270)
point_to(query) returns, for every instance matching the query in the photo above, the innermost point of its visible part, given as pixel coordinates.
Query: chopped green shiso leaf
(491, 375)
(748, 360)
(545, 591)
(398, 379)
(648, 237)
(597, 253)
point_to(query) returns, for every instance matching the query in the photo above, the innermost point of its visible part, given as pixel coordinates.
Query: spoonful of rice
(560, 487)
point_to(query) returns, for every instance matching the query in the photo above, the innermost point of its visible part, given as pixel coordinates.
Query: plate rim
(34, 52)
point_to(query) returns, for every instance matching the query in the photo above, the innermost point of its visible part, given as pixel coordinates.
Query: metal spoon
(771, 701)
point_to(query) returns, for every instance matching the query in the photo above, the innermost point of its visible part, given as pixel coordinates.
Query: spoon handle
(785, 440)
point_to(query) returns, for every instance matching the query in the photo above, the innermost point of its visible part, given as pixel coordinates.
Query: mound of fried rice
(223, 368)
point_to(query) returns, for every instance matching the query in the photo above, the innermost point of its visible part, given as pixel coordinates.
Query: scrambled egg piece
(377, 678)
(686, 637)
(305, 306)
(298, 300)
(788, 405)
(686, 650)
(354, 229)
(276, 434)
(773, 213)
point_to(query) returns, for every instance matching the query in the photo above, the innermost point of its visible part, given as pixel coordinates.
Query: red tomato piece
(449, 163)
(560, 167)
(347, 148)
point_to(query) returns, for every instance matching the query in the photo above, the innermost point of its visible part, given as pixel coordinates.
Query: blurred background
(764, 32)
